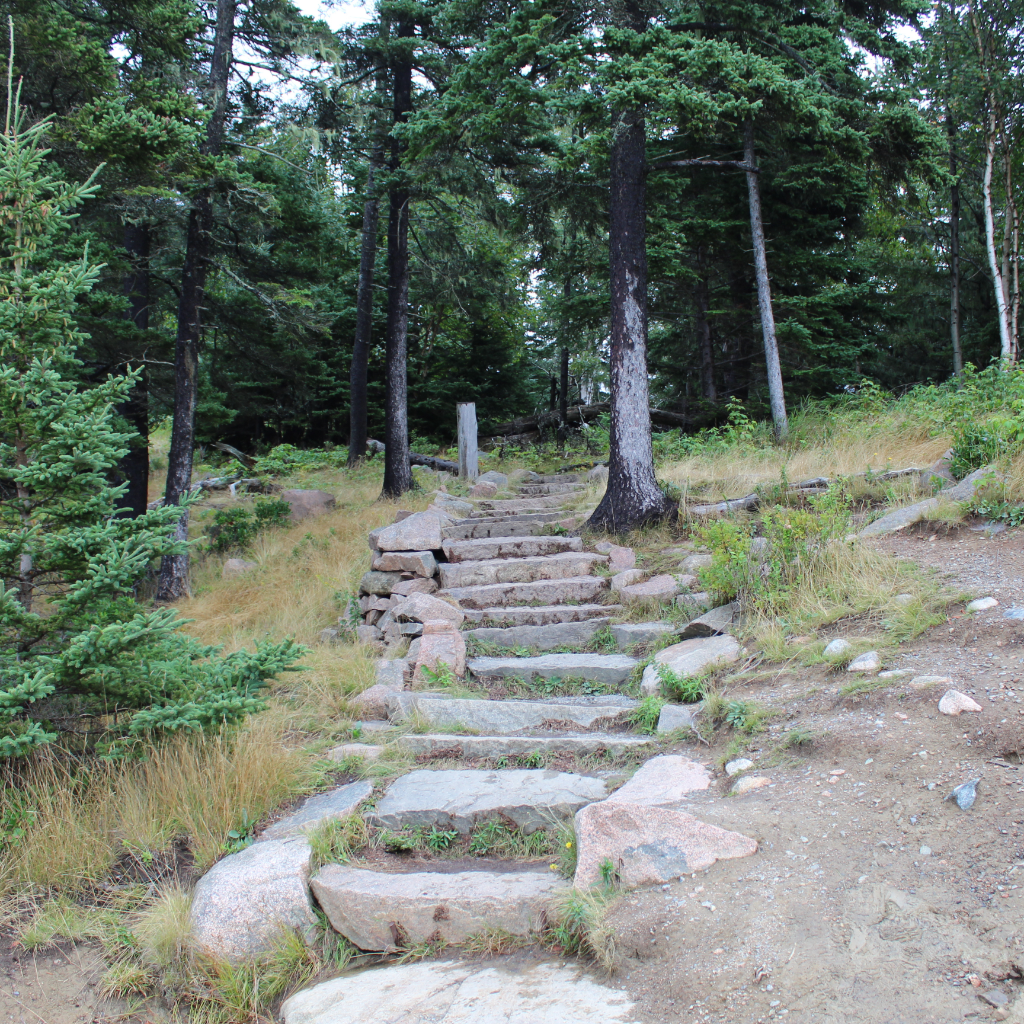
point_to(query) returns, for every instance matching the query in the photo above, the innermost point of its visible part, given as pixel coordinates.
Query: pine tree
(70, 627)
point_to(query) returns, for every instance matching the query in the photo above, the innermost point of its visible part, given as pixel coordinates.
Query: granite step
(553, 478)
(539, 502)
(504, 526)
(559, 566)
(542, 638)
(503, 717)
(543, 615)
(553, 488)
(461, 798)
(609, 669)
(507, 547)
(583, 589)
(510, 746)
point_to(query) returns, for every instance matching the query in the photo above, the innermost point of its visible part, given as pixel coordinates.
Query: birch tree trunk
(764, 294)
(633, 496)
(1005, 347)
(954, 252)
(173, 583)
(397, 472)
(707, 352)
(563, 398)
(364, 316)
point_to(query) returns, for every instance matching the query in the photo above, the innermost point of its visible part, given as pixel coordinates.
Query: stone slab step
(380, 912)
(610, 669)
(542, 615)
(552, 488)
(337, 803)
(459, 798)
(690, 658)
(447, 992)
(542, 638)
(504, 526)
(502, 717)
(483, 548)
(575, 588)
(482, 573)
(554, 478)
(521, 504)
(626, 634)
(507, 746)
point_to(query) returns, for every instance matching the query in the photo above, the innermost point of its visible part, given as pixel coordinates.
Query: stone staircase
(534, 599)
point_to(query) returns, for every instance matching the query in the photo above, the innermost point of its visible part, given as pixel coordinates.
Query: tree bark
(397, 474)
(764, 293)
(954, 251)
(364, 316)
(173, 582)
(1005, 347)
(134, 465)
(633, 496)
(563, 399)
(707, 352)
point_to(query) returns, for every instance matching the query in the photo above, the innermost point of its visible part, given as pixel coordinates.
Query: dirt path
(872, 899)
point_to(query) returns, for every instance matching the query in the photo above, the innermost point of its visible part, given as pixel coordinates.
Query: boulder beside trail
(418, 532)
(245, 902)
(425, 607)
(690, 658)
(308, 503)
(237, 567)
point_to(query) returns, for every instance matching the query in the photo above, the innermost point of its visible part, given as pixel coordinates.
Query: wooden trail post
(469, 466)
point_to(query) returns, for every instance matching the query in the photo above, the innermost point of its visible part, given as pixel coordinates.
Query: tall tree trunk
(1005, 346)
(397, 472)
(173, 582)
(954, 251)
(633, 496)
(707, 352)
(563, 399)
(364, 315)
(134, 465)
(764, 292)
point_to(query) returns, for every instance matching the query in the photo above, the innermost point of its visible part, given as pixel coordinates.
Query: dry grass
(843, 448)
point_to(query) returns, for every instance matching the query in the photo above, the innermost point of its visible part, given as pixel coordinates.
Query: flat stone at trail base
(741, 764)
(308, 503)
(529, 797)
(749, 783)
(837, 648)
(510, 746)
(510, 716)
(690, 658)
(648, 845)
(422, 563)
(424, 607)
(983, 604)
(953, 702)
(867, 662)
(378, 912)
(675, 716)
(419, 532)
(237, 567)
(461, 993)
(539, 615)
(625, 634)
(338, 803)
(244, 903)
(542, 638)
(663, 781)
(368, 751)
(658, 588)
(611, 669)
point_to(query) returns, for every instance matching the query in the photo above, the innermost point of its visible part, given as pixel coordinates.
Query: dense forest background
(874, 128)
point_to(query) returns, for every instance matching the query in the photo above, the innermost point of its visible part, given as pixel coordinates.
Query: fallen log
(246, 460)
(415, 459)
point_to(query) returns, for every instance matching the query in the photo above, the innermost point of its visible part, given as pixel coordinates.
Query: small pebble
(983, 604)
(926, 851)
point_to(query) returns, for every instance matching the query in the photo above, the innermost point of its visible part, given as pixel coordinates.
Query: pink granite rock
(953, 702)
(648, 845)
(663, 781)
(439, 646)
(372, 703)
(423, 607)
(624, 579)
(308, 503)
(620, 558)
(483, 489)
(749, 783)
(418, 586)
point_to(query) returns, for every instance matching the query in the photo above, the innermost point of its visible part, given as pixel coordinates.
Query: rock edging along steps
(510, 746)
(380, 912)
